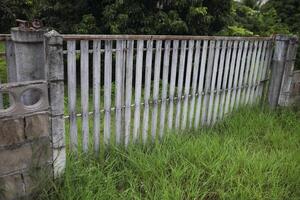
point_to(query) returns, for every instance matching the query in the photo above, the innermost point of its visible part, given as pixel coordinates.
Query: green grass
(3, 74)
(254, 154)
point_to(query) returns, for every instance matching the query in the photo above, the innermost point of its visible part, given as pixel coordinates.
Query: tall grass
(254, 154)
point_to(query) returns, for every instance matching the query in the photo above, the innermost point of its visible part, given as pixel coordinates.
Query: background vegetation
(185, 17)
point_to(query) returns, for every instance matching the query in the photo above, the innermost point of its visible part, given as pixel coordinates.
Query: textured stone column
(29, 64)
(55, 76)
(277, 69)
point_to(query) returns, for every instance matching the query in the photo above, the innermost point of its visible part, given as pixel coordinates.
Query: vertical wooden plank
(96, 92)
(213, 82)
(208, 79)
(118, 85)
(128, 90)
(261, 66)
(149, 55)
(107, 89)
(194, 82)
(255, 74)
(71, 47)
(242, 73)
(266, 66)
(231, 74)
(201, 82)
(173, 81)
(164, 87)
(187, 83)
(252, 68)
(156, 87)
(236, 75)
(247, 72)
(138, 88)
(84, 75)
(225, 78)
(180, 81)
(219, 81)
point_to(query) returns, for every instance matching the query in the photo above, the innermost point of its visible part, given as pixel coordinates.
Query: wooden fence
(126, 89)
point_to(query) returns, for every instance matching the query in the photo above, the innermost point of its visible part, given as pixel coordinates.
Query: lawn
(253, 154)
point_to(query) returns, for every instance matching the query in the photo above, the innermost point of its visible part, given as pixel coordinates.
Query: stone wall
(25, 142)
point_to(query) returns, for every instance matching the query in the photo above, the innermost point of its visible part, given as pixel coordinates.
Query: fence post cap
(53, 37)
(19, 35)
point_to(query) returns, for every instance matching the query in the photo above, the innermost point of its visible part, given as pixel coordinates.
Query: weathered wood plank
(201, 82)
(96, 92)
(236, 75)
(208, 79)
(187, 83)
(194, 82)
(267, 64)
(138, 88)
(213, 82)
(128, 90)
(148, 71)
(156, 87)
(231, 74)
(118, 85)
(84, 75)
(180, 81)
(164, 87)
(172, 82)
(107, 90)
(71, 45)
(219, 81)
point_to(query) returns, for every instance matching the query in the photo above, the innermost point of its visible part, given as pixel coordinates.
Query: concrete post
(285, 91)
(55, 75)
(29, 59)
(277, 69)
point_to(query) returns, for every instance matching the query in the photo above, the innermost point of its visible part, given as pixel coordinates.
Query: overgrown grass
(252, 155)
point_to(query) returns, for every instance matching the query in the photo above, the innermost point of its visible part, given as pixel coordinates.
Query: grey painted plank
(267, 64)
(148, 71)
(225, 78)
(96, 92)
(213, 83)
(208, 79)
(180, 82)
(84, 75)
(194, 82)
(236, 75)
(138, 88)
(173, 82)
(255, 74)
(242, 74)
(201, 82)
(71, 45)
(107, 90)
(187, 83)
(261, 66)
(247, 72)
(164, 87)
(219, 81)
(231, 74)
(128, 90)
(118, 85)
(252, 68)
(156, 87)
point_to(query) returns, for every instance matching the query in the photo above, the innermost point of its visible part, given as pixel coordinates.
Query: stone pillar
(287, 77)
(29, 59)
(277, 69)
(55, 75)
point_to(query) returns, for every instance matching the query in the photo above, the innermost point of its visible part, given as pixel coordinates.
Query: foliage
(252, 155)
